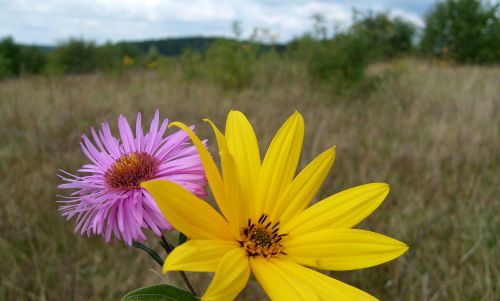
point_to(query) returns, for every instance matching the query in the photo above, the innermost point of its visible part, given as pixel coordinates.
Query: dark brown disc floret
(262, 238)
(128, 171)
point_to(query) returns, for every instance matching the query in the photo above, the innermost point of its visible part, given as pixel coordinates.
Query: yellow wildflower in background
(265, 227)
(127, 61)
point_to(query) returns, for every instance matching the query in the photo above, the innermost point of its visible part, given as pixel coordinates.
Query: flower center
(130, 170)
(262, 238)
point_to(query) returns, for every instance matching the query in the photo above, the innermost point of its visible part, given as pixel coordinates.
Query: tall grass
(431, 132)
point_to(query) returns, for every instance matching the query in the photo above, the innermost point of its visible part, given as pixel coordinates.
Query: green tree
(152, 57)
(467, 31)
(387, 36)
(191, 64)
(32, 60)
(231, 62)
(75, 56)
(339, 63)
(107, 58)
(10, 57)
(320, 29)
(128, 49)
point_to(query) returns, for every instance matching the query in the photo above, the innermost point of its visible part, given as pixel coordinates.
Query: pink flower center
(130, 170)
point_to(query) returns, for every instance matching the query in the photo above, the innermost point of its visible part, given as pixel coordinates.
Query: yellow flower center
(262, 238)
(130, 170)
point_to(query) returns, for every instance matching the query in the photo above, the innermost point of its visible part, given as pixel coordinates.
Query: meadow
(430, 130)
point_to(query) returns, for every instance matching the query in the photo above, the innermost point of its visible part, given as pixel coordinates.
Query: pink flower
(108, 198)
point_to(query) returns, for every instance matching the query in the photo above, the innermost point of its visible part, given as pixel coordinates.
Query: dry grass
(433, 133)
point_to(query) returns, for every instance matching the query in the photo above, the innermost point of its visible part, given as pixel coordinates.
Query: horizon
(49, 23)
(136, 41)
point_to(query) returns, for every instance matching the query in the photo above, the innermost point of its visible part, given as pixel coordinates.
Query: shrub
(339, 63)
(79, 56)
(191, 63)
(336, 62)
(32, 60)
(231, 62)
(467, 31)
(106, 58)
(75, 56)
(16, 59)
(388, 37)
(10, 57)
(152, 58)
(128, 55)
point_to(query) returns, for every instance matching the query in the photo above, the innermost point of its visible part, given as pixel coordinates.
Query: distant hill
(45, 48)
(175, 46)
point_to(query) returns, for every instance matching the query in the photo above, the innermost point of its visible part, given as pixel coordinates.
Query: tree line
(461, 31)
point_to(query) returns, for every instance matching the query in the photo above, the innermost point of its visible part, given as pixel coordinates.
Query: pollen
(130, 170)
(262, 238)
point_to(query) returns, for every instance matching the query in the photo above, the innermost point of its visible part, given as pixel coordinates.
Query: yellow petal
(236, 209)
(244, 147)
(304, 187)
(221, 140)
(234, 202)
(198, 255)
(213, 176)
(343, 249)
(280, 164)
(230, 278)
(342, 210)
(187, 213)
(278, 283)
(325, 287)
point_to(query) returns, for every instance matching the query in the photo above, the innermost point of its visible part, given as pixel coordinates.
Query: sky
(51, 21)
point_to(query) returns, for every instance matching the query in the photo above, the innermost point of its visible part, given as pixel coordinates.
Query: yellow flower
(127, 60)
(265, 227)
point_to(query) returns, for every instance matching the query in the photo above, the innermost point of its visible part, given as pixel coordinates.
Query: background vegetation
(458, 31)
(466, 31)
(420, 114)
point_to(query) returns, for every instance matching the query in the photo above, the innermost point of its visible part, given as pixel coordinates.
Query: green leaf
(159, 292)
(182, 238)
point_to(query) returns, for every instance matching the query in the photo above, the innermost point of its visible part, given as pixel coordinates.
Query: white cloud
(50, 21)
(414, 18)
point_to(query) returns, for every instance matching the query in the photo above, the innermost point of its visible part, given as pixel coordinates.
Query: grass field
(432, 132)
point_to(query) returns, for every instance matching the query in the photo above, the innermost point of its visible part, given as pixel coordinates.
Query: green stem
(150, 252)
(164, 243)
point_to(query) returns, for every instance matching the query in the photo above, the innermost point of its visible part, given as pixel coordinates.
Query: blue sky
(51, 21)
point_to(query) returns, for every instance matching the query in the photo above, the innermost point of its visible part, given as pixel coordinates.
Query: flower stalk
(149, 251)
(168, 248)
